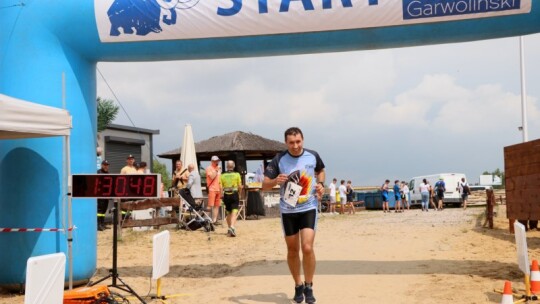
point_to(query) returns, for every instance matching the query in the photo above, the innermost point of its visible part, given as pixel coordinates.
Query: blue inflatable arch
(40, 40)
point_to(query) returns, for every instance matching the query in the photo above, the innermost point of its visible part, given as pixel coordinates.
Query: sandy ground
(370, 257)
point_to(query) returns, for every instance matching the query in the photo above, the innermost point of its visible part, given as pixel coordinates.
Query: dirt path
(371, 257)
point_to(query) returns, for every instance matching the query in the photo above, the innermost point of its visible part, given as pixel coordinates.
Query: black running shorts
(294, 222)
(231, 201)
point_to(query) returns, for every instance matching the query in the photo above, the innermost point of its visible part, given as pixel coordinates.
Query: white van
(451, 180)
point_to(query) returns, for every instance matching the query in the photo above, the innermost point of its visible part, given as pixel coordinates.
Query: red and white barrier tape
(36, 229)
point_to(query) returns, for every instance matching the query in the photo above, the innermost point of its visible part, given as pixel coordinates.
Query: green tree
(162, 169)
(106, 112)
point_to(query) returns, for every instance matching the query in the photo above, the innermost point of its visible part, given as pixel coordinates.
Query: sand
(370, 257)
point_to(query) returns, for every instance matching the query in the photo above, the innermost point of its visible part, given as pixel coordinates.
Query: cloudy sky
(371, 115)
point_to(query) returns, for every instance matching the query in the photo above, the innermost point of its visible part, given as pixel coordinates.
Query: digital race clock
(116, 185)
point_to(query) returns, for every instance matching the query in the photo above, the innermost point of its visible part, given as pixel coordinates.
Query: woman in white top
(424, 191)
(405, 195)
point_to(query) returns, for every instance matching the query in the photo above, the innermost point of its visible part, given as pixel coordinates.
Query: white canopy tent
(22, 119)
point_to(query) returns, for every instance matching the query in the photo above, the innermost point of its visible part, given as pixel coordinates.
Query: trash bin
(255, 204)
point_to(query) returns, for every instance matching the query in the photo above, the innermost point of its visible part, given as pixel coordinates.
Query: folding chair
(241, 210)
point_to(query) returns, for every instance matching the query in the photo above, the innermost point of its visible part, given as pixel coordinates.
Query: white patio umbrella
(188, 154)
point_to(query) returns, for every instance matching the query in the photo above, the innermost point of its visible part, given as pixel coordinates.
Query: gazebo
(238, 146)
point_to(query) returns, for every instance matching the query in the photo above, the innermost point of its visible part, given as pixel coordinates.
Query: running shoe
(308, 293)
(299, 293)
(233, 231)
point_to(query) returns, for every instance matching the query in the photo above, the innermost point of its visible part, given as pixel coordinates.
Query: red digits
(135, 184)
(120, 186)
(96, 186)
(107, 186)
(149, 185)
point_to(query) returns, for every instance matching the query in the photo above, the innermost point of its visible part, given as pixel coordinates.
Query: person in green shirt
(231, 185)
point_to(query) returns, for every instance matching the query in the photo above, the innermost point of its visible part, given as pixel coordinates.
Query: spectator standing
(424, 192)
(338, 198)
(102, 204)
(405, 195)
(397, 196)
(99, 158)
(213, 172)
(129, 168)
(343, 196)
(440, 188)
(384, 196)
(194, 182)
(300, 174)
(142, 168)
(180, 176)
(350, 196)
(332, 195)
(464, 190)
(431, 196)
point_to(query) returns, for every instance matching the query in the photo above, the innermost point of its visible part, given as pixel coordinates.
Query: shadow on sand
(487, 269)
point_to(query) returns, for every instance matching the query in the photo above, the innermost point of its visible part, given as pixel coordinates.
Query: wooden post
(489, 207)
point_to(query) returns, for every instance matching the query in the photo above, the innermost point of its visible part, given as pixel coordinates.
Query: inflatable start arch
(40, 40)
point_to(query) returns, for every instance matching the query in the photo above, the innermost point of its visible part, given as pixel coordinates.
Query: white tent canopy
(23, 119)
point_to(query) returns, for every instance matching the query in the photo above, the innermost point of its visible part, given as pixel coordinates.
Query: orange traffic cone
(507, 297)
(535, 278)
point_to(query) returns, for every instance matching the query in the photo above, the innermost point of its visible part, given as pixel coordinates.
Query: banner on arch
(147, 20)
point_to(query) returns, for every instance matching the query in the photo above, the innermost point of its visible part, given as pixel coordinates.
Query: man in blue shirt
(300, 174)
(397, 197)
(440, 188)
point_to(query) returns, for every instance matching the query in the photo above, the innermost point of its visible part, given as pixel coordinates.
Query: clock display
(116, 185)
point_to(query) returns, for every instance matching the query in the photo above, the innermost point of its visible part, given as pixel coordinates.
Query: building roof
(254, 147)
(132, 129)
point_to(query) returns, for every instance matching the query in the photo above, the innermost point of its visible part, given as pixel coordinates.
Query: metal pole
(67, 172)
(116, 214)
(70, 220)
(523, 91)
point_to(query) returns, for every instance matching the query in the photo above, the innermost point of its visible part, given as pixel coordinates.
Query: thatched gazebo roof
(254, 147)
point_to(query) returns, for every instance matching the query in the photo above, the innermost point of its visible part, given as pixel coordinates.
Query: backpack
(439, 187)
(466, 189)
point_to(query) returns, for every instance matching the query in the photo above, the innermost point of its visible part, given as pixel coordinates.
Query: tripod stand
(113, 273)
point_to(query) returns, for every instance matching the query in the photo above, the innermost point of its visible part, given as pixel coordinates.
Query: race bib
(292, 193)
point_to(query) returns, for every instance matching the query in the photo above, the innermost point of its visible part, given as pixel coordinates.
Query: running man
(300, 174)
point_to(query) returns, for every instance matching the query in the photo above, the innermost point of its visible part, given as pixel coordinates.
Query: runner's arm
(321, 175)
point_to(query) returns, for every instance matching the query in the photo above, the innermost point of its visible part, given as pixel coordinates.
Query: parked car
(451, 195)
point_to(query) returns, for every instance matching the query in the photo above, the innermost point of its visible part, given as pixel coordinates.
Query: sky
(371, 115)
